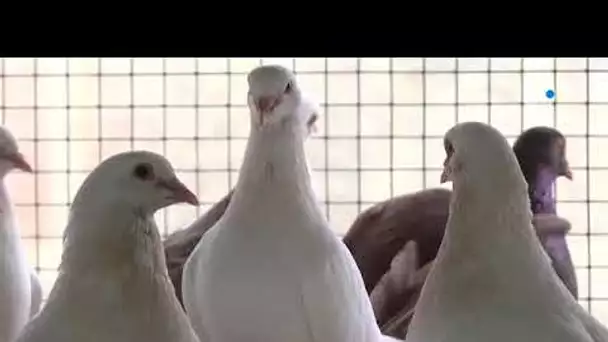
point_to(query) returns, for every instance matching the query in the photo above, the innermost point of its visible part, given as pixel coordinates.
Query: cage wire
(380, 133)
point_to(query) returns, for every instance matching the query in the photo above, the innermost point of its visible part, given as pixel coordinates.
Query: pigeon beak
(179, 192)
(19, 162)
(266, 103)
(566, 172)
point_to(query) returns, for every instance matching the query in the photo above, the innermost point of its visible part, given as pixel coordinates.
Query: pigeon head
(141, 180)
(478, 153)
(274, 97)
(541, 153)
(542, 148)
(10, 157)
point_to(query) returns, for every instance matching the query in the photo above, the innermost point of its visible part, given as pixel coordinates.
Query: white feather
(19, 291)
(113, 283)
(15, 283)
(271, 269)
(491, 280)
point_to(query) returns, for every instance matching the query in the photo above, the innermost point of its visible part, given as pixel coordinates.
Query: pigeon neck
(5, 200)
(542, 198)
(111, 238)
(489, 247)
(7, 225)
(487, 220)
(274, 167)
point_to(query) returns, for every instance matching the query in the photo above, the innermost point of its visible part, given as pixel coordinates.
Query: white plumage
(20, 291)
(491, 280)
(271, 270)
(113, 283)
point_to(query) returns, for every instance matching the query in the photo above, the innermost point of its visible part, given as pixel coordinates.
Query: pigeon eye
(449, 149)
(288, 88)
(143, 171)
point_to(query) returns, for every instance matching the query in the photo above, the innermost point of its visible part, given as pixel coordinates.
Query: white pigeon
(20, 291)
(113, 284)
(491, 280)
(271, 270)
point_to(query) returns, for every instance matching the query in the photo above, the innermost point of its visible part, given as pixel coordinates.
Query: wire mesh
(380, 133)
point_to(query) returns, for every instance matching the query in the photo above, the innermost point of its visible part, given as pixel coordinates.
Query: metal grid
(380, 132)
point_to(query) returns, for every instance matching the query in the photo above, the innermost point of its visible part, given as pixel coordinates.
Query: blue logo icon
(550, 94)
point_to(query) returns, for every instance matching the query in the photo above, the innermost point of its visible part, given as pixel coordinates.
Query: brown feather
(420, 217)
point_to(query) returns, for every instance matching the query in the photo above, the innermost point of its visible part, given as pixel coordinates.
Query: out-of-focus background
(380, 132)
